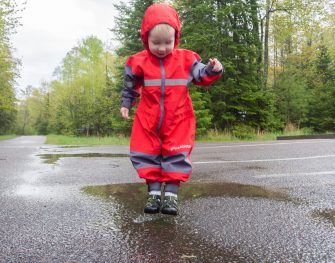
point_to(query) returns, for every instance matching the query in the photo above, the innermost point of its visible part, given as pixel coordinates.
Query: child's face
(161, 43)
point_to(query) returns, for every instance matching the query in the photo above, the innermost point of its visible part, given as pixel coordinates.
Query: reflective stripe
(176, 82)
(177, 163)
(129, 94)
(143, 160)
(170, 163)
(152, 82)
(128, 77)
(168, 82)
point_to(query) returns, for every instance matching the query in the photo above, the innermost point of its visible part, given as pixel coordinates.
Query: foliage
(291, 97)
(237, 98)
(84, 140)
(80, 101)
(9, 21)
(128, 24)
(243, 131)
(6, 137)
(279, 58)
(321, 114)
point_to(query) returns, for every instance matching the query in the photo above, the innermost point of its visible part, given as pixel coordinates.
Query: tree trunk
(266, 44)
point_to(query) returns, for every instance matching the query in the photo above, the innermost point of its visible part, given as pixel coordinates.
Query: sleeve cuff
(210, 72)
(126, 103)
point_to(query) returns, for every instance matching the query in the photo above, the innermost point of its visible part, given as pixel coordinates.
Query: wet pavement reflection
(54, 157)
(162, 238)
(127, 192)
(327, 214)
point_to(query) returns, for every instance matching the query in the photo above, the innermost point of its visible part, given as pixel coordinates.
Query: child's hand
(125, 113)
(217, 66)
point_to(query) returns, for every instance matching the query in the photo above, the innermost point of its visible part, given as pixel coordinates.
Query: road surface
(246, 202)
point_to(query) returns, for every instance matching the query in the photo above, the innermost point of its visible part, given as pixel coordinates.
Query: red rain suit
(164, 125)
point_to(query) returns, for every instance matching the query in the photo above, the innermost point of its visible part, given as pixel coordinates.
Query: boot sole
(151, 211)
(169, 212)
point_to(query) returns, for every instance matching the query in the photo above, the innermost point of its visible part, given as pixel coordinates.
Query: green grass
(83, 140)
(214, 136)
(211, 136)
(217, 137)
(7, 137)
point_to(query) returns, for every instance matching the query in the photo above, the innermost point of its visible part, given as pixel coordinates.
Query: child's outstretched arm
(205, 75)
(130, 92)
(217, 66)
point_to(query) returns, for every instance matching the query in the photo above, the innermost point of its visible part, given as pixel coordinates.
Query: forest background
(278, 56)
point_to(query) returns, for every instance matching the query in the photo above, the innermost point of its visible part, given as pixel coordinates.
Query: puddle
(150, 237)
(53, 158)
(62, 147)
(70, 146)
(327, 214)
(131, 194)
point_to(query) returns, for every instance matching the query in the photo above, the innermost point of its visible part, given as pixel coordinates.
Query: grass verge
(83, 140)
(215, 136)
(7, 137)
(211, 136)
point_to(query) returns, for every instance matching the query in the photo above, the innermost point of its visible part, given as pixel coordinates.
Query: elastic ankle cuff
(171, 194)
(155, 193)
(171, 188)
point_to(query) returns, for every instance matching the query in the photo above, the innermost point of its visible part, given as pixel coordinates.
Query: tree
(292, 98)
(322, 102)
(128, 24)
(229, 30)
(8, 65)
(295, 36)
(83, 78)
(80, 100)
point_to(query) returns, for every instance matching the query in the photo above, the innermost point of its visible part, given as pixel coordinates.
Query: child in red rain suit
(164, 125)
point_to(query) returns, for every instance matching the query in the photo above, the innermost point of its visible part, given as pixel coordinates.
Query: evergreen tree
(128, 24)
(322, 102)
(292, 97)
(229, 30)
(192, 16)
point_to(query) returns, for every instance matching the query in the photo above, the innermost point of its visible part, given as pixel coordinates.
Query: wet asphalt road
(246, 202)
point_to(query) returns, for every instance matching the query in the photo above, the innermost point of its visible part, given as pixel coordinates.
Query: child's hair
(162, 28)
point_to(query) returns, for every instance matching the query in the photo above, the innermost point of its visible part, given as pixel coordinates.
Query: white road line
(262, 144)
(294, 174)
(269, 160)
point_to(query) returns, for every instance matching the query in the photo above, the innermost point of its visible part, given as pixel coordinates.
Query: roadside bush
(243, 131)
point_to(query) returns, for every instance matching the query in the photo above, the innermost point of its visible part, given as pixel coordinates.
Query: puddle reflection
(71, 146)
(128, 194)
(53, 158)
(162, 238)
(327, 214)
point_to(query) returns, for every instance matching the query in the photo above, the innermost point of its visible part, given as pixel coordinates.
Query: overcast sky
(51, 28)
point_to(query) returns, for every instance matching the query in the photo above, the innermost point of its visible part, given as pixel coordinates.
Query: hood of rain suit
(159, 14)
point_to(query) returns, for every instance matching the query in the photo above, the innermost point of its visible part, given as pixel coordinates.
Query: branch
(275, 10)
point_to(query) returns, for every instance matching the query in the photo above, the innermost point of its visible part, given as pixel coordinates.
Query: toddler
(163, 131)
